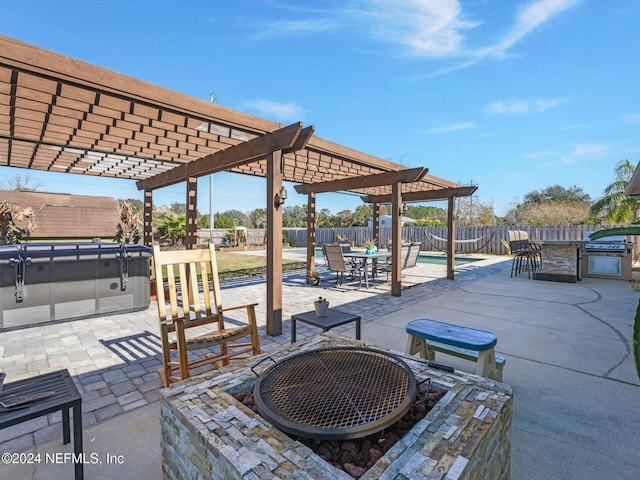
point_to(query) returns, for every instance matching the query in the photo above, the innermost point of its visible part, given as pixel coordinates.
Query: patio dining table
(364, 259)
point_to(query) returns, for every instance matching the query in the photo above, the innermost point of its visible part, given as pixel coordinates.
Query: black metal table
(334, 318)
(66, 397)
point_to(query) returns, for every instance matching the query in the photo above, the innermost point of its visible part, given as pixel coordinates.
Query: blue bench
(429, 336)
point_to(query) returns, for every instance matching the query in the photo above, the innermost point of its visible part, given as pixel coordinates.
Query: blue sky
(511, 95)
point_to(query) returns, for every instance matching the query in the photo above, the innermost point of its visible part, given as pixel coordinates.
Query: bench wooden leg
(419, 345)
(486, 366)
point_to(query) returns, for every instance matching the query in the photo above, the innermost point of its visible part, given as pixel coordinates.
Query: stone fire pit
(207, 433)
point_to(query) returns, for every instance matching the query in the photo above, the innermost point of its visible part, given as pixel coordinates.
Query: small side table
(65, 398)
(334, 318)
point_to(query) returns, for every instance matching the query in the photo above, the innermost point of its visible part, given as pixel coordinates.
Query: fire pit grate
(335, 393)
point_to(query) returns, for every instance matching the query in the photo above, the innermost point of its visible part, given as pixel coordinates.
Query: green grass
(233, 265)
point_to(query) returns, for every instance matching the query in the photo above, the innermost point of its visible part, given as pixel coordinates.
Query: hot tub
(43, 282)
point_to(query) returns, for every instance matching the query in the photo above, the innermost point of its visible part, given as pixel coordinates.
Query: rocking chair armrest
(251, 312)
(237, 307)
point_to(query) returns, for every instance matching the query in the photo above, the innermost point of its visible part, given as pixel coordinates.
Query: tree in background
(129, 229)
(555, 213)
(21, 184)
(552, 204)
(294, 217)
(426, 222)
(324, 219)
(615, 204)
(344, 218)
(257, 218)
(556, 193)
(221, 220)
(428, 215)
(362, 215)
(179, 208)
(10, 215)
(240, 218)
(470, 211)
(172, 228)
(135, 204)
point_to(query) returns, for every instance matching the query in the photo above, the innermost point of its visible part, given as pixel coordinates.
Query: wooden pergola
(63, 115)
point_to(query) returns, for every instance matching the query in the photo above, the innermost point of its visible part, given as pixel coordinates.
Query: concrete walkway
(567, 347)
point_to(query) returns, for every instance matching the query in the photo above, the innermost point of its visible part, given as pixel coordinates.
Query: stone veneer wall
(206, 433)
(560, 259)
(559, 262)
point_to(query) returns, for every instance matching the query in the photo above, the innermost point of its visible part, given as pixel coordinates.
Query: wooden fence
(468, 239)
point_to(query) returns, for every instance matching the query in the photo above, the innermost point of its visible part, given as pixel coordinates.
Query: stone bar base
(207, 433)
(560, 261)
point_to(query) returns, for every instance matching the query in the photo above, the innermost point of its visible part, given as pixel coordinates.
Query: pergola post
(191, 231)
(396, 239)
(451, 234)
(274, 243)
(311, 232)
(375, 218)
(147, 216)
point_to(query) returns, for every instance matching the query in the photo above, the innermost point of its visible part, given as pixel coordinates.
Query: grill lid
(335, 393)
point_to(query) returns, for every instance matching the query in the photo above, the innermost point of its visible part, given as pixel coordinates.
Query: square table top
(333, 319)
(66, 396)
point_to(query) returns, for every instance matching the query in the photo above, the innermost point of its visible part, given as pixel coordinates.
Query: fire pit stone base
(207, 433)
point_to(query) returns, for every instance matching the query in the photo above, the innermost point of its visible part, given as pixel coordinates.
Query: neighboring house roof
(61, 215)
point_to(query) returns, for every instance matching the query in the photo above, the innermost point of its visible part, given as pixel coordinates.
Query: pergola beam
(440, 194)
(380, 179)
(284, 139)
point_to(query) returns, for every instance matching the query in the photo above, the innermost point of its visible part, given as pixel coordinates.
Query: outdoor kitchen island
(207, 433)
(561, 260)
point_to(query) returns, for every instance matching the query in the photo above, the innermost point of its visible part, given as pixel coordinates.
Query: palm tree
(618, 207)
(172, 228)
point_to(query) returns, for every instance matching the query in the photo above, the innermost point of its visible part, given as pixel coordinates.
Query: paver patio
(567, 348)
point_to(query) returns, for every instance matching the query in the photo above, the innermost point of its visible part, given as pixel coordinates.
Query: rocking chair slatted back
(190, 297)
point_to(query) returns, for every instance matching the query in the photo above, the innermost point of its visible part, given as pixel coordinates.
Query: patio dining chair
(412, 257)
(405, 254)
(191, 315)
(337, 263)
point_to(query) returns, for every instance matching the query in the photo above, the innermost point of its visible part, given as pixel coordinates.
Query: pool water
(442, 260)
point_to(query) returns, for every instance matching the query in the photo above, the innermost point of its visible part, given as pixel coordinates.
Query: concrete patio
(568, 350)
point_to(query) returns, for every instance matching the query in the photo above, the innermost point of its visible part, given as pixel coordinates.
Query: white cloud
(428, 27)
(277, 110)
(529, 19)
(521, 106)
(456, 127)
(631, 118)
(510, 106)
(588, 151)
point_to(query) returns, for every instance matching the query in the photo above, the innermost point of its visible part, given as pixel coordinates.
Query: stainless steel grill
(335, 393)
(613, 245)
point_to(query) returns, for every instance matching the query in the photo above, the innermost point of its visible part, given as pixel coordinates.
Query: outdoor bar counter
(561, 260)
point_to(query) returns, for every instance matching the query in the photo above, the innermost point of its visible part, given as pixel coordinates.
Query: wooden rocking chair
(186, 302)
